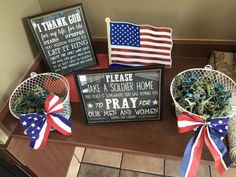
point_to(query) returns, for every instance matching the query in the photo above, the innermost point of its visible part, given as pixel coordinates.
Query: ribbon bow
(212, 132)
(38, 126)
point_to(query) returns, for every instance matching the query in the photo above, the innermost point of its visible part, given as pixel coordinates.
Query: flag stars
(124, 34)
(221, 131)
(33, 125)
(24, 123)
(38, 128)
(222, 138)
(220, 122)
(226, 127)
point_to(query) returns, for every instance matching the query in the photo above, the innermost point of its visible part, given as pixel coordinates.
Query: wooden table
(155, 138)
(148, 138)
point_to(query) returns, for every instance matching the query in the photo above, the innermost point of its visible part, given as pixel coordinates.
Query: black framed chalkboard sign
(64, 40)
(121, 95)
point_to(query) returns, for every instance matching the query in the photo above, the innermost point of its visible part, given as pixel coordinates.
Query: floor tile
(79, 152)
(125, 173)
(88, 170)
(143, 163)
(231, 172)
(74, 167)
(204, 170)
(100, 157)
(172, 169)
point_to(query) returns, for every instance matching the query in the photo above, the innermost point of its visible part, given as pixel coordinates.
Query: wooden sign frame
(121, 95)
(64, 40)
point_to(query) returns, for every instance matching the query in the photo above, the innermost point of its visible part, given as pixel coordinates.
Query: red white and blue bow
(212, 132)
(38, 126)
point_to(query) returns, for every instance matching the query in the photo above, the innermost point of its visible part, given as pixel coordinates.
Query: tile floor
(98, 163)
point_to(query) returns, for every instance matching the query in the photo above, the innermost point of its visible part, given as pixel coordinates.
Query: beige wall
(16, 55)
(190, 19)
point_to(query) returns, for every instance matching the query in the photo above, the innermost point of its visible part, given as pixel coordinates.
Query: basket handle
(208, 67)
(33, 74)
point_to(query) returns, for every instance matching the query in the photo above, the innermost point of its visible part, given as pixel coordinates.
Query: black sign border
(160, 67)
(39, 44)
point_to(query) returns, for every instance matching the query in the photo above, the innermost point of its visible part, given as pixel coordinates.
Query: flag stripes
(134, 45)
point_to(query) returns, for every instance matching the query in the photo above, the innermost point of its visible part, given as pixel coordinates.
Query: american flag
(139, 45)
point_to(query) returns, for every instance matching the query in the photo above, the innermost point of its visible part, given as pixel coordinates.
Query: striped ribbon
(212, 133)
(38, 126)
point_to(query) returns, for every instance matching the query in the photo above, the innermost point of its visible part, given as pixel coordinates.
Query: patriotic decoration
(38, 126)
(212, 133)
(139, 45)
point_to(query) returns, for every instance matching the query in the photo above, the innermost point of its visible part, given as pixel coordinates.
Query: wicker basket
(209, 74)
(48, 81)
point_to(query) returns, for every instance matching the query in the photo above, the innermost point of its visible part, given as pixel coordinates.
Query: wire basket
(212, 76)
(48, 81)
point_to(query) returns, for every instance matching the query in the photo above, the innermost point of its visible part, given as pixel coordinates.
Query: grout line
(154, 174)
(85, 149)
(209, 170)
(71, 164)
(79, 161)
(76, 157)
(164, 169)
(119, 172)
(121, 160)
(79, 169)
(87, 163)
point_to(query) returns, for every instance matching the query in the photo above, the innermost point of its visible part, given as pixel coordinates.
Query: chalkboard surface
(121, 95)
(64, 39)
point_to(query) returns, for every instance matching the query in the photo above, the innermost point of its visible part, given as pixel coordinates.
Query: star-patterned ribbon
(212, 132)
(38, 126)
